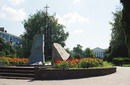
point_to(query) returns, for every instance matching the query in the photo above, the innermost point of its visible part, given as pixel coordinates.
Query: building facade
(99, 52)
(9, 37)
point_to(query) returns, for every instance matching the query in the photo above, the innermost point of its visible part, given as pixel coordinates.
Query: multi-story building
(9, 37)
(99, 52)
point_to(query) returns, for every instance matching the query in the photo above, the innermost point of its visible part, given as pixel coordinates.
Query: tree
(33, 26)
(19, 51)
(6, 49)
(88, 53)
(126, 22)
(118, 47)
(77, 51)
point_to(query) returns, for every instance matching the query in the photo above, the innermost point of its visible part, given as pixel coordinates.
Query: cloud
(78, 31)
(12, 14)
(16, 2)
(76, 1)
(71, 18)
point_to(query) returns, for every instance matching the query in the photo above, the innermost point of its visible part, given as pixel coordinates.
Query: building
(99, 52)
(9, 37)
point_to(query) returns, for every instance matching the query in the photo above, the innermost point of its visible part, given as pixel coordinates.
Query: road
(121, 77)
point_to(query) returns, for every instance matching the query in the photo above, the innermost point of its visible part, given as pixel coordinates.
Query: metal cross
(46, 8)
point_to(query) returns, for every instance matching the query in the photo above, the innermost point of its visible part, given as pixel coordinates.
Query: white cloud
(12, 14)
(16, 2)
(71, 18)
(78, 31)
(76, 1)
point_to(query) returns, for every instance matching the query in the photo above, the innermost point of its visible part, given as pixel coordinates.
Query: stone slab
(37, 50)
(59, 53)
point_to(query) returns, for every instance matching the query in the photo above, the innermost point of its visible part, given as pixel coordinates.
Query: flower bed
(78, 63)
(12, 61)
(74, 68)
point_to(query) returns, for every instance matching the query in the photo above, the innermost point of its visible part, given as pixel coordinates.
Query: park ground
(121, 77)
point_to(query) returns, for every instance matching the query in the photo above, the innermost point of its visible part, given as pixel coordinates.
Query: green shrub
(62, 65)
(90, 63)
(85, 64)
(126, 65)
(73, 65)
(107, 64)
(118, 60)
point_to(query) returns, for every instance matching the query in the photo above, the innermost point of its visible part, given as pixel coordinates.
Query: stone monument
(59, 53)
(37, 51)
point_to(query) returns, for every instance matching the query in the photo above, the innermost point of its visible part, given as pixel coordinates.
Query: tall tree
(88, 53)
(77, 51)
(118, 46)
(37, 22)
(6, 49)
(126, 22)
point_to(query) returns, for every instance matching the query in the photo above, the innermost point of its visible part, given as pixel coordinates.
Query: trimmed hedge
(119, 60)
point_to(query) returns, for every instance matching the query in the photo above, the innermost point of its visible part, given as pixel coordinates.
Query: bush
(87, 63)
(62, 65)
(107, 64)
(126, 65)
(119, 60)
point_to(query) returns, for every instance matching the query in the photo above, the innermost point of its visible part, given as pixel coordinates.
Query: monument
(42, 47)
(37, 51)
(59, 53)
(42, 44)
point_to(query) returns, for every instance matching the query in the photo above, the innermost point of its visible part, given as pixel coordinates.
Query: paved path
(121, 77)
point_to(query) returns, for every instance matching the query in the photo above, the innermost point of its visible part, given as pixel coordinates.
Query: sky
(87, 21)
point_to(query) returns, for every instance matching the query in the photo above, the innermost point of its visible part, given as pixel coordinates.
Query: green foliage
(33, 26)
(19, 51)
(88, 53)
(126, 22)
(107, 64)
(126, 65)
(62, 65)
(85, 64)
(6, 48)
(90, 63)
(82, 63)
(77, 51)
(118, 47)
(119, 60)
